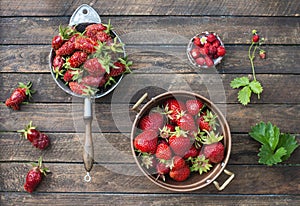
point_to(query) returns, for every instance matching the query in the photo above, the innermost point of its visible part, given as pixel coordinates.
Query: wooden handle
(88, 149)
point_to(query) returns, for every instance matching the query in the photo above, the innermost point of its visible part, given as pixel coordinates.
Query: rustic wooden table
(156, 34)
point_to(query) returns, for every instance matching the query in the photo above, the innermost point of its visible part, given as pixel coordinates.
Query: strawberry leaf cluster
(276, 146)
(247, 85)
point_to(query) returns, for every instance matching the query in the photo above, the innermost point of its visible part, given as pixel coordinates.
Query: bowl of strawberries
(205, 50)
(181, 141)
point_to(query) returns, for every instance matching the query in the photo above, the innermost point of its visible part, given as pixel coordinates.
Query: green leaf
(268, 157)
(289, 143)
(266, 134)
(239, 82)
(256, 87)
(244, 95)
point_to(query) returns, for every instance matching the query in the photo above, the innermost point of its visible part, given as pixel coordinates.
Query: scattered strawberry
(34, 176)
(262, 54)
(152, 121)
(146, 141)
(213, 149)
(163, 151)
(19, 95)
(194, 106)
(38, 139)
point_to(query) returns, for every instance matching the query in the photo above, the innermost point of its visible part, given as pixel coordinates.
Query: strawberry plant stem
(251, 58)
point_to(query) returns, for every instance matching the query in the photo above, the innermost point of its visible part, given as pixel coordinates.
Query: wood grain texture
(157, 7)
(112, 148)
(67, 199)
(147, 59)
(158, 30)
(114, 178)
(69, 117)
(213, 86)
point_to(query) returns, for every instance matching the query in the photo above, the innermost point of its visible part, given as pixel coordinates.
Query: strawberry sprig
(248, 85)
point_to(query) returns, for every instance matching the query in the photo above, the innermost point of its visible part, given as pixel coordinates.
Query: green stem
(251, 58)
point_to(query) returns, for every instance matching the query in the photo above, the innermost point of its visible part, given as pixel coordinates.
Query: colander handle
(84, 14)
(222, 187)
(137, 104)
(88, 148)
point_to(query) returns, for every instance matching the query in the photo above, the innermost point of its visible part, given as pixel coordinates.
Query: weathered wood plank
(213, 86)
(64, 199)
(280, 59)
(160, 7)
(111, 148)
(158, 30)
(126, 177)
(119, 118)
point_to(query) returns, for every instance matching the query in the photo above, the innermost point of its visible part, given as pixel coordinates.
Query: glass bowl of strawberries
(205, 50)
(181, 141)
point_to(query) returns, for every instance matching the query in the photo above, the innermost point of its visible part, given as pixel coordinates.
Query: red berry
(208, 61)
(195, 52)
(197, 41)
(211, 38)
(57, 41)
(200, 61)
(194, 106)
(262, 54)
(163, 151)
(255, 38)
(221, 51)
(19, 95)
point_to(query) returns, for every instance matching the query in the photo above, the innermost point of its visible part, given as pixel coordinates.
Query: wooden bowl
(195, 180)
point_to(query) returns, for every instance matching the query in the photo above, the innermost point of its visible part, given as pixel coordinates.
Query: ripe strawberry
(179, 142)
(186, 122)
(200, 61)
(162, 169)
(57, 41)
(94, 67)
(221, 51)
(105, 79)
(68, 75)
(77, 59)
(38, 139)
(212, 50)
(34, 176)
(211, 37)
(262, 54)
(194, 106)
(57, 65)
(78, 88)
(197, 41)
(152, 121)
(212, 148)
(85, 44)
(216, 43)
(146, 141)
(166, 131)
(207, 121)
(19, 95)
(163, 151)
(173, 107)
(91, 81)
(180, 173)
(255, 38)
(195, 52)
(208, 61)
(68, 47)
(120, 67)
(192, 152)
(102, 37)
(177, 162)
(92, 29)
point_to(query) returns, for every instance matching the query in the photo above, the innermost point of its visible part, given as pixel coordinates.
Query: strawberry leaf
(256, 87)
(270, 157)
(289, 143)
(266, 134)
(239, 82)
(244, 95)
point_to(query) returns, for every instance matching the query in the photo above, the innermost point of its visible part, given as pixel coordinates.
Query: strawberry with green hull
(213, 148)
(34, 176)
(37, 138)
(166, 131)
(173, 108)
(77, 59)
(180, 171)
(199, 164)
(68, 48)
(179, 142)
(162, 170)
(120, 67)
(207, 121)
(64, 34)
(19, 95)
(163, 151)
(58, 65)
(186, 122)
